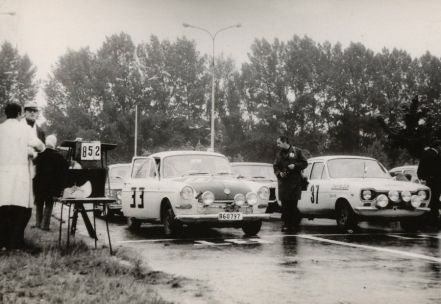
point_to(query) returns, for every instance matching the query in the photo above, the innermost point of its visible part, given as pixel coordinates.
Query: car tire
(172, 227)
(411, 225)
(97, 212)
(252, 228)
(107, 213)
(345, 217)
(133, 223)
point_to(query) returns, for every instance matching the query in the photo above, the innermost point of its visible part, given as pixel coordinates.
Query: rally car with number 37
(179, 188)
(354, 188)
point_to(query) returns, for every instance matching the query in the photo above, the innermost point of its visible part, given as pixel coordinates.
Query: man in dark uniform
(429, 170)
(49, 181)
(288, 167)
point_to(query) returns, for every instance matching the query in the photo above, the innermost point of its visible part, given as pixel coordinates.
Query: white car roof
(173, 153)
(329, 157)
(250, 164)
(407, 167)
(120, 165)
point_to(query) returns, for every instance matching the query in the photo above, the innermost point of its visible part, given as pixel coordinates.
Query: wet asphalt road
(380, 264)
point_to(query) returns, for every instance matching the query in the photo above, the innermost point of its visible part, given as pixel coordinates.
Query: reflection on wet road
(316, 265)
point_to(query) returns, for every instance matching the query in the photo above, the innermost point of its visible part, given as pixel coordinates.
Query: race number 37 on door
(91, 150)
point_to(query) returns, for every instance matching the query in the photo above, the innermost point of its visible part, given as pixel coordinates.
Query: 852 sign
(91, 150)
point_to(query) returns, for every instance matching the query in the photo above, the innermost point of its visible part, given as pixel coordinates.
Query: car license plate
(230, 216)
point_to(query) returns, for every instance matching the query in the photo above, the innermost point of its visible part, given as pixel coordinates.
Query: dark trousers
(43, 210)
(434, 204)
(290, 213)
(13, 221)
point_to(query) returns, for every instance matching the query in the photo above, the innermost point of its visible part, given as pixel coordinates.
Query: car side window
(307, 170)
(152, 171)
(317, 170)
(141, 168)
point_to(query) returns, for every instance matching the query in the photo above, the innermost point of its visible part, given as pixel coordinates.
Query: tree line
(327, 98)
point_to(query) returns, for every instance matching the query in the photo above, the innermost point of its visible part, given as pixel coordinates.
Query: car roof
(250, 164)
(120, 165)
(407, 167)
(173, 153)
(329, 157)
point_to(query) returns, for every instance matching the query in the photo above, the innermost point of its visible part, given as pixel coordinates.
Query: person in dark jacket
(49, 181)
(429, 170)
(288, 167)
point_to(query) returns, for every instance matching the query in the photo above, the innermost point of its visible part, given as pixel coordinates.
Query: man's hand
(291, 166)
(282, 174)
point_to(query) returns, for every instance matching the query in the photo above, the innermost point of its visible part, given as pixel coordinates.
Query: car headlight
(422, 194)
(394, 196)
(366, 194)
(415, 201)
(382, 201)
(187, 193)
(406, 196)
(251, 198)
(207, 198)
(263, 193)
(239, 199)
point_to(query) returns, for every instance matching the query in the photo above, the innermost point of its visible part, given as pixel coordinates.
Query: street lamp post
(213, 37)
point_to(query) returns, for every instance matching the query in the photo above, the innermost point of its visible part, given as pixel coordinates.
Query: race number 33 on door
(91, 150)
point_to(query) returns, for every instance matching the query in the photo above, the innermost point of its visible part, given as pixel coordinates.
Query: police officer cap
(31, 105)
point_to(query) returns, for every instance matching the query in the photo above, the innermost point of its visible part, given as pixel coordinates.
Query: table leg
(61, 224)
(68, 226)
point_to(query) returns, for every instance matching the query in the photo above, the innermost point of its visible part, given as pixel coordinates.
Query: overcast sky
(44, 29)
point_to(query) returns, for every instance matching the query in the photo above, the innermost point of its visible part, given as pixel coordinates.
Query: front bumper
(213, 218)
(373, 212)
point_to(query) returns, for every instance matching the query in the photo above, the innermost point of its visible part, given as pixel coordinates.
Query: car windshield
(255, 172)
(195, 164)
(119, 173)
(356, 168)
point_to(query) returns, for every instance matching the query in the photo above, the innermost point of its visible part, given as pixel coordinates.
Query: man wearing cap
(49, 181)
(31, 112)
(17, 142)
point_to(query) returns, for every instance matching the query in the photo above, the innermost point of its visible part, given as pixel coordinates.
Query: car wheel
(133, 223)
(107, 212)
(252, 228)
(410, 225)
(345, 216)
(97, 212)
(172, 227)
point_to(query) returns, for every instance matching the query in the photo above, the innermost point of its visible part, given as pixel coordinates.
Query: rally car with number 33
(181, 188)
(354, 188)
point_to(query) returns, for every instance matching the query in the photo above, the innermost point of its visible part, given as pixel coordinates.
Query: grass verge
(45, 273)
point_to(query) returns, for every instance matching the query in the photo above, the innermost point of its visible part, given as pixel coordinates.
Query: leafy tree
(17, 76)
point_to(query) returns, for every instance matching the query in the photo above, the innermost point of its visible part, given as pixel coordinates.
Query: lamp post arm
(224, 29)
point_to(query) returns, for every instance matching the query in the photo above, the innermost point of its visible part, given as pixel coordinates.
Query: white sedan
(190, 187)
(354, 188)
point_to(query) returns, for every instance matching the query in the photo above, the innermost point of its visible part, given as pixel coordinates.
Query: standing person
(49, 181)
(17, 142)
(429, 170)
(31, 113)
(288, 167)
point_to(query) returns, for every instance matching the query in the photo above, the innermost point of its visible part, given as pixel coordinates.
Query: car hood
(223, 187)
(115, 186)
(379, 184)
(265, 182)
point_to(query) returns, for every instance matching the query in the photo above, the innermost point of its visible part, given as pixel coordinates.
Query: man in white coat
(17, 142)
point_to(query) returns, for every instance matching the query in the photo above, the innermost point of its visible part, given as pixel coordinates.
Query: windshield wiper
(195, 173)
(258, 177)
(222, 173)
